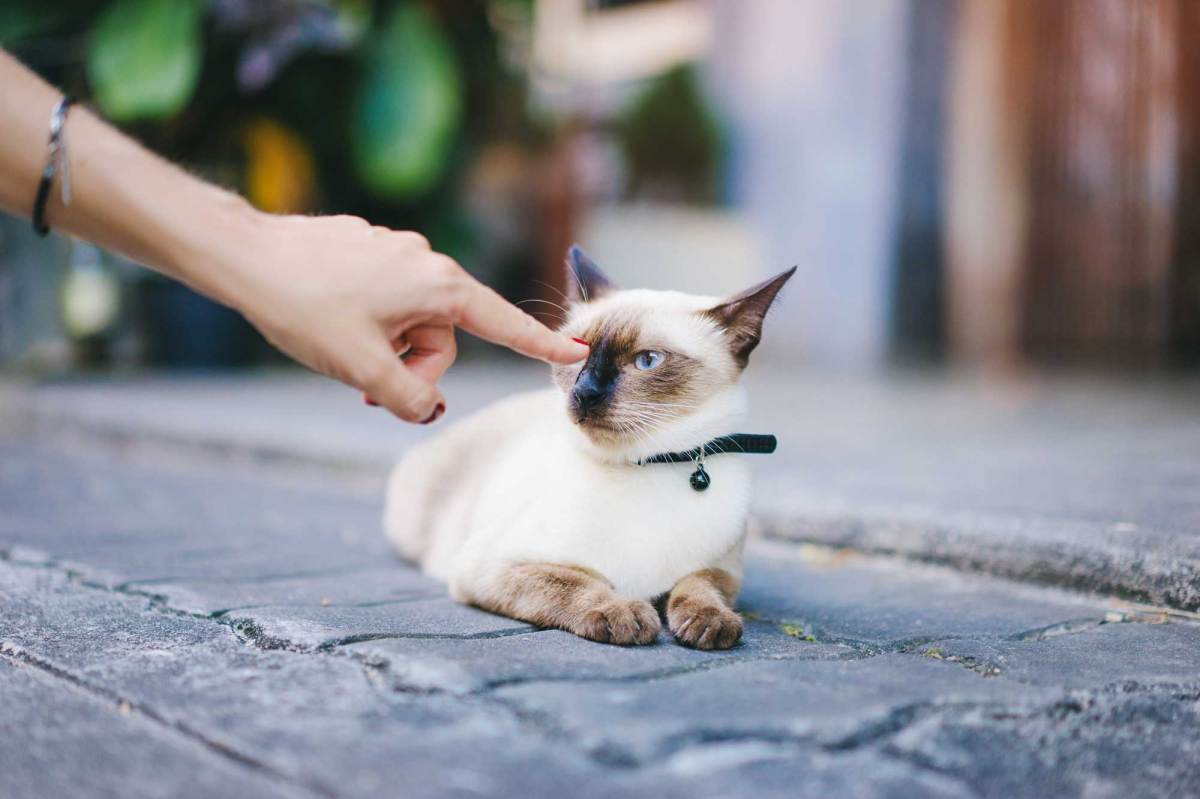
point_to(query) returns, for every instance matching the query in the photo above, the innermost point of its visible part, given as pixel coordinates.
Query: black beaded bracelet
(56, 156)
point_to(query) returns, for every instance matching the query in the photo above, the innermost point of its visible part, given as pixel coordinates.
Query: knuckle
(351, 221)
(447, 279)
(445, 268)
(413, 239)
(373, 373)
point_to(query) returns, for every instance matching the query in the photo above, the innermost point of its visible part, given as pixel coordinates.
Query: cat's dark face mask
(592, 396)
(593, 391)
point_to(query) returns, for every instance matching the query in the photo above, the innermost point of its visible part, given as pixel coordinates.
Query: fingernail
(437, 413)
(367, 399)
(581, 341)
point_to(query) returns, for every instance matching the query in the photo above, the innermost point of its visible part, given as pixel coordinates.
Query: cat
(536, 508)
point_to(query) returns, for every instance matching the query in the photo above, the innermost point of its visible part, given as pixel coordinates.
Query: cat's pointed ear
(741, 316)
(585, 280)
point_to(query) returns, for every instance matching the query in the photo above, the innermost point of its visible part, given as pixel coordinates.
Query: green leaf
(409, 108)
(18, 22)
(144, 57)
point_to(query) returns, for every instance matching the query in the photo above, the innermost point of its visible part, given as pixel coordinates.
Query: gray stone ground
(195, 600)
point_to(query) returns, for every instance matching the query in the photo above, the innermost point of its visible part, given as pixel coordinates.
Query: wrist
(216, 256)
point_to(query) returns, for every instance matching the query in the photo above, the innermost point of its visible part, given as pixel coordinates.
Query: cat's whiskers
(553, 288)
(551, 303)
(583, 290)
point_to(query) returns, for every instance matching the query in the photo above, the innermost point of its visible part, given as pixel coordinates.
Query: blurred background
(998, 186)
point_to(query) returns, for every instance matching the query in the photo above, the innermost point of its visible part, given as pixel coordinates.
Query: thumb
(405, 394)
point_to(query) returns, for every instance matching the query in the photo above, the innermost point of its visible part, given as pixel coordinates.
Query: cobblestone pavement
(176, 627)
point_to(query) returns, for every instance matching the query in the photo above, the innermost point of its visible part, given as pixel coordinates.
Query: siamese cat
(537, 508)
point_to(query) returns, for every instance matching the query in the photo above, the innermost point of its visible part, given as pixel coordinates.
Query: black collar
(737, 443)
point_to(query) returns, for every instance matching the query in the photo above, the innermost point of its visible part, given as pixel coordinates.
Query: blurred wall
(813, 93)
(1068, 231)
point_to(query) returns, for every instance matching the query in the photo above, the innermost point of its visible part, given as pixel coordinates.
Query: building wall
(813, 93)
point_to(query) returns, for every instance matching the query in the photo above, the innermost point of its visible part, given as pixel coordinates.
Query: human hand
(344, 298)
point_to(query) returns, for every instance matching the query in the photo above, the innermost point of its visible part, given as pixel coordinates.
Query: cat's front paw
(703, 626)
(620, 621)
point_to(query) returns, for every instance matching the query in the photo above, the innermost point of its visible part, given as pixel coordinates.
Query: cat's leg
(569, 598)
(700, 610)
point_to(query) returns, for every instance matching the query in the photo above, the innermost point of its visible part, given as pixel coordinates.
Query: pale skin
(334, 293)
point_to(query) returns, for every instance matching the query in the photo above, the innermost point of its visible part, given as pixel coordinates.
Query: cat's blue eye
(648, 359)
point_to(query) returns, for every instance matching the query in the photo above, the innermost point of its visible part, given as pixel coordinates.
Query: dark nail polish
(367, 399)
(581, 341)
(437, 413)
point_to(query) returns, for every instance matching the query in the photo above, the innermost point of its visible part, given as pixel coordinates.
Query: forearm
(335, 293)
(123, 197)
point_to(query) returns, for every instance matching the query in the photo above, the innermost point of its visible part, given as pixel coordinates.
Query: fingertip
(426, 410)
(437, 413)
(406, 395)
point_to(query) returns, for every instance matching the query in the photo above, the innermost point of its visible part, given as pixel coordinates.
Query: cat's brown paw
(705, 626)
(620, 621)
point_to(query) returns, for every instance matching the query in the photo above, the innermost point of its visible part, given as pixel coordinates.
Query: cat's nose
(590, 391)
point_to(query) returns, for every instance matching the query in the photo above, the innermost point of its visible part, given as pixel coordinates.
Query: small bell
(700, 479)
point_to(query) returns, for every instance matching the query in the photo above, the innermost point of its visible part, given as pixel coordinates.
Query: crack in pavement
(988, 668)
(1075, 703)
(16, 654)
(217, 614)
(664, 673)
(249, 632)
(882, 730)
(265, 578)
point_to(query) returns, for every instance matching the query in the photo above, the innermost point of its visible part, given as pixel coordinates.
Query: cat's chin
(604, 435)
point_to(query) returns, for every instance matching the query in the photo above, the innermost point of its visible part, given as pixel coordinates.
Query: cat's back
(431, 491)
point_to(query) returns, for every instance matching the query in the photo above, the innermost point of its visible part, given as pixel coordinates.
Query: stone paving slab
(760, 768)
(872, 602)
(374, 585)
(1124, 741)
(858, 675)
(316, 627)
(833, 703)
(1086, 655)
(55, 740)
(465, 666)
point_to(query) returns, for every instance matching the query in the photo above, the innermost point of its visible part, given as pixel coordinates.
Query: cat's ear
(585, 280)
(741, 316)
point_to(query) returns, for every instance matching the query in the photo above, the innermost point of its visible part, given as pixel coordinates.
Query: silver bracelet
(56, 160)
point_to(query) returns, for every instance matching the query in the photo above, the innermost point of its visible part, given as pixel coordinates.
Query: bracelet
(56, 158)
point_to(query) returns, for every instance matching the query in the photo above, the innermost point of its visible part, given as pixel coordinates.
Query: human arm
(335, 293)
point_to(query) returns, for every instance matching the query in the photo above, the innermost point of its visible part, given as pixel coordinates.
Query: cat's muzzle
(591, 396)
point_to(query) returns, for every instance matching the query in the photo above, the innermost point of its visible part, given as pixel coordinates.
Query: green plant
(672, 141)
(409, 106)
(144, 58)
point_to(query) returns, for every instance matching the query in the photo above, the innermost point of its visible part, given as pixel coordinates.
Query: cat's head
(663, 367)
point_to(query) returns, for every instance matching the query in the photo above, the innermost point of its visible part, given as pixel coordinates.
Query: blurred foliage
(144, 57)
(409, 106)
(342, 106)
(671, 140)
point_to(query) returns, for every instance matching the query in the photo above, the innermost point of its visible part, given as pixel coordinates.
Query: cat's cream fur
(526, 510)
